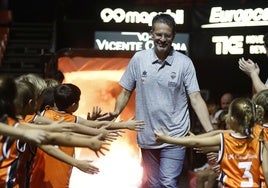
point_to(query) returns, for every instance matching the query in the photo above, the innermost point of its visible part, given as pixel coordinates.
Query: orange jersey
(4, 144)
(240, 161)
(257, 129)
(261, 131)
(10, 158)
(29, 118)
(25, 162)
(48, 171)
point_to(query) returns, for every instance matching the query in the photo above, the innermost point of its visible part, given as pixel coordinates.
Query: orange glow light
(120, 167)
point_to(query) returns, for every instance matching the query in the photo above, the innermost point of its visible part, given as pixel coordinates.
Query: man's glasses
(164, 35)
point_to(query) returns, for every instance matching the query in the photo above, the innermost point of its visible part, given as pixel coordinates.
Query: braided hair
(246, 114)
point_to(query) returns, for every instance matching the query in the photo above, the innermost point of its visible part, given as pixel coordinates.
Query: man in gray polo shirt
(164, 80)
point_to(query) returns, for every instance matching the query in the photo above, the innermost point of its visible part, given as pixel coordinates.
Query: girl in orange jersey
(261, 129)
(10, 148)
(241, 155)
(22, 103)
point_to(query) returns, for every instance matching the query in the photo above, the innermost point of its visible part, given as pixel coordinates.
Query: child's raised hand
(248, 66)
(110, 116)
(112, 135)
(109, 135)
(85, 166)
(133, 124)
(95, 114)
(97, 144)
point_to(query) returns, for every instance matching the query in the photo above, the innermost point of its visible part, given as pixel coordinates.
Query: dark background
(78, 19)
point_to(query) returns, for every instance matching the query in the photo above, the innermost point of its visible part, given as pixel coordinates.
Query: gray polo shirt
(161, 93)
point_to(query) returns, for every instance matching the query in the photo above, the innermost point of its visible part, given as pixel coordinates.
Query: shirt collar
(168, 60)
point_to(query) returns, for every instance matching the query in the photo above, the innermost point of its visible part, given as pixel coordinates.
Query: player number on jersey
(247, 175)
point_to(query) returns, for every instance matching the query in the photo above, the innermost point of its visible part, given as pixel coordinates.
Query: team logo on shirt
(172, 76)
(143, 76)
(241, 157)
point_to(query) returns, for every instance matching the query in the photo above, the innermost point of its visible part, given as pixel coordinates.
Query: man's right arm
(120, 104)
(122, 101)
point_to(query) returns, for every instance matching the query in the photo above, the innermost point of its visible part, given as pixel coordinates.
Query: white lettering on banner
(254, 39)
(231, 45)
(118, 45)
(257, 49)
(234, 44)
(256, 44)
(141, 36)
(119, 15)
(144, 42)
(179, 46)
(132, 46)
(237, 18)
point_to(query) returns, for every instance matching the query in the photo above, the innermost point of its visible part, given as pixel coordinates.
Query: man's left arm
(201, 110)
